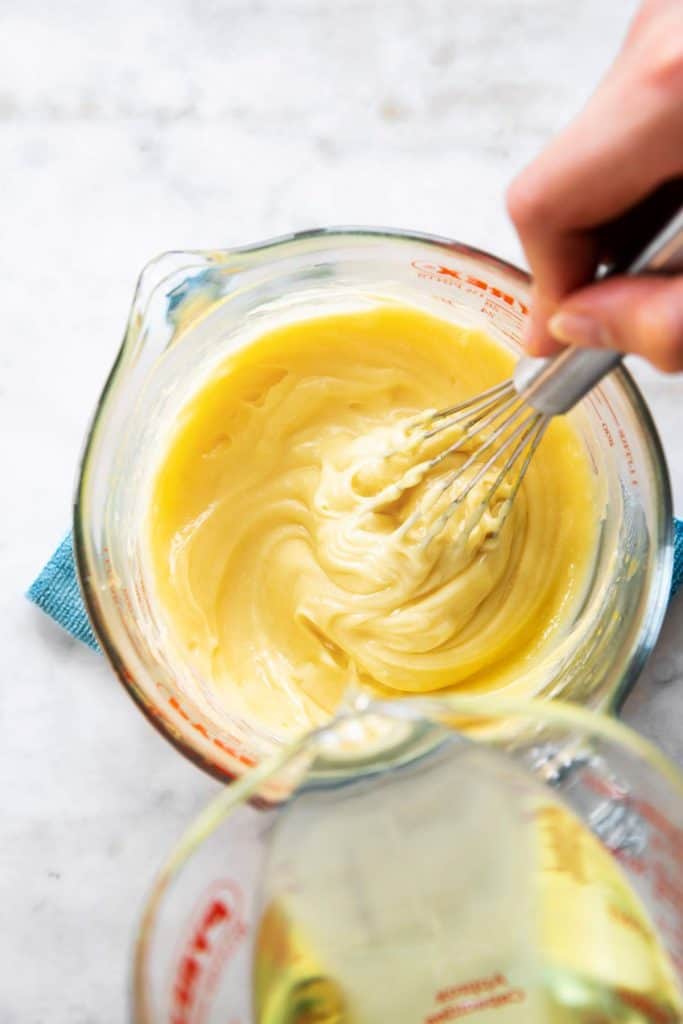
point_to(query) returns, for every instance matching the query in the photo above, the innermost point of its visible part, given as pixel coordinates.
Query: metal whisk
(508, 421)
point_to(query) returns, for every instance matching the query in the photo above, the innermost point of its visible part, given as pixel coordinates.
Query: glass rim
(656, 600)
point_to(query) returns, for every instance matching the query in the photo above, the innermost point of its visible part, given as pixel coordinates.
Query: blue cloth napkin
(56, 589)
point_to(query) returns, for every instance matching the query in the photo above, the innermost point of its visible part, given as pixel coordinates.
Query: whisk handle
(555, 385)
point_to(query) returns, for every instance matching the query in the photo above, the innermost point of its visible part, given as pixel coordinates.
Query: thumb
(643, 315)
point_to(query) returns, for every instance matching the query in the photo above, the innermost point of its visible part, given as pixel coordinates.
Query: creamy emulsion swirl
(275, 533)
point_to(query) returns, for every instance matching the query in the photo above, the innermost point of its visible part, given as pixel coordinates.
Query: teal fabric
(56, 589)
(677, 579)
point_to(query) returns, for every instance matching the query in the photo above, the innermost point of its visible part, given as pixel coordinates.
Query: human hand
(626, 143)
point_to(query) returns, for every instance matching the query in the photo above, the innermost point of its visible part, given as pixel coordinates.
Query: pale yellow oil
(482, 901)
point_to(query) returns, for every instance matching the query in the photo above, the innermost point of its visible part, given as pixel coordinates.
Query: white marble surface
(127, 129)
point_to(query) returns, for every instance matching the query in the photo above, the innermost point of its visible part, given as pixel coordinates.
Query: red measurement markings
(113, 581)
(665, 827)
(634, 865)
(215, 933)
(666, 888)
(653, 1012)
(609, 437)
(603, 787)
(660, 867)
(203, 731)
(470, 988)
(506, 320)
(459, 278)
(611, 791)
(628, 921)
(621, 434)
(119, 593)
(489, 993)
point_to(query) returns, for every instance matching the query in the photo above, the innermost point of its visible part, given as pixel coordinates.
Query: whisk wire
(520, 434)
(483, 396)
(474, 427)
(472, 412)
(539, 428)
(470, 431)
(453, 476)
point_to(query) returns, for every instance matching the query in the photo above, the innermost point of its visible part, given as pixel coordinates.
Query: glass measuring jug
(390, 868)
(191, 310)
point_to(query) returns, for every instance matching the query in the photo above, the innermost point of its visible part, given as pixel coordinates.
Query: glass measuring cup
(532, 871)
(190, 311)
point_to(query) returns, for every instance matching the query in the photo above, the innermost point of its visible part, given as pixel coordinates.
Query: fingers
(583, 180)
(623, 145)
(638, 315)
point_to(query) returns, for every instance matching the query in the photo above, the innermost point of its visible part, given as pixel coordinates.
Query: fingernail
(579, 329)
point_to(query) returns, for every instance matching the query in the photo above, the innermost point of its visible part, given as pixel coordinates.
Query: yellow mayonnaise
(275, 525)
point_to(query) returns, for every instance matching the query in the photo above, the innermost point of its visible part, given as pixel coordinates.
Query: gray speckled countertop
(128, 129)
